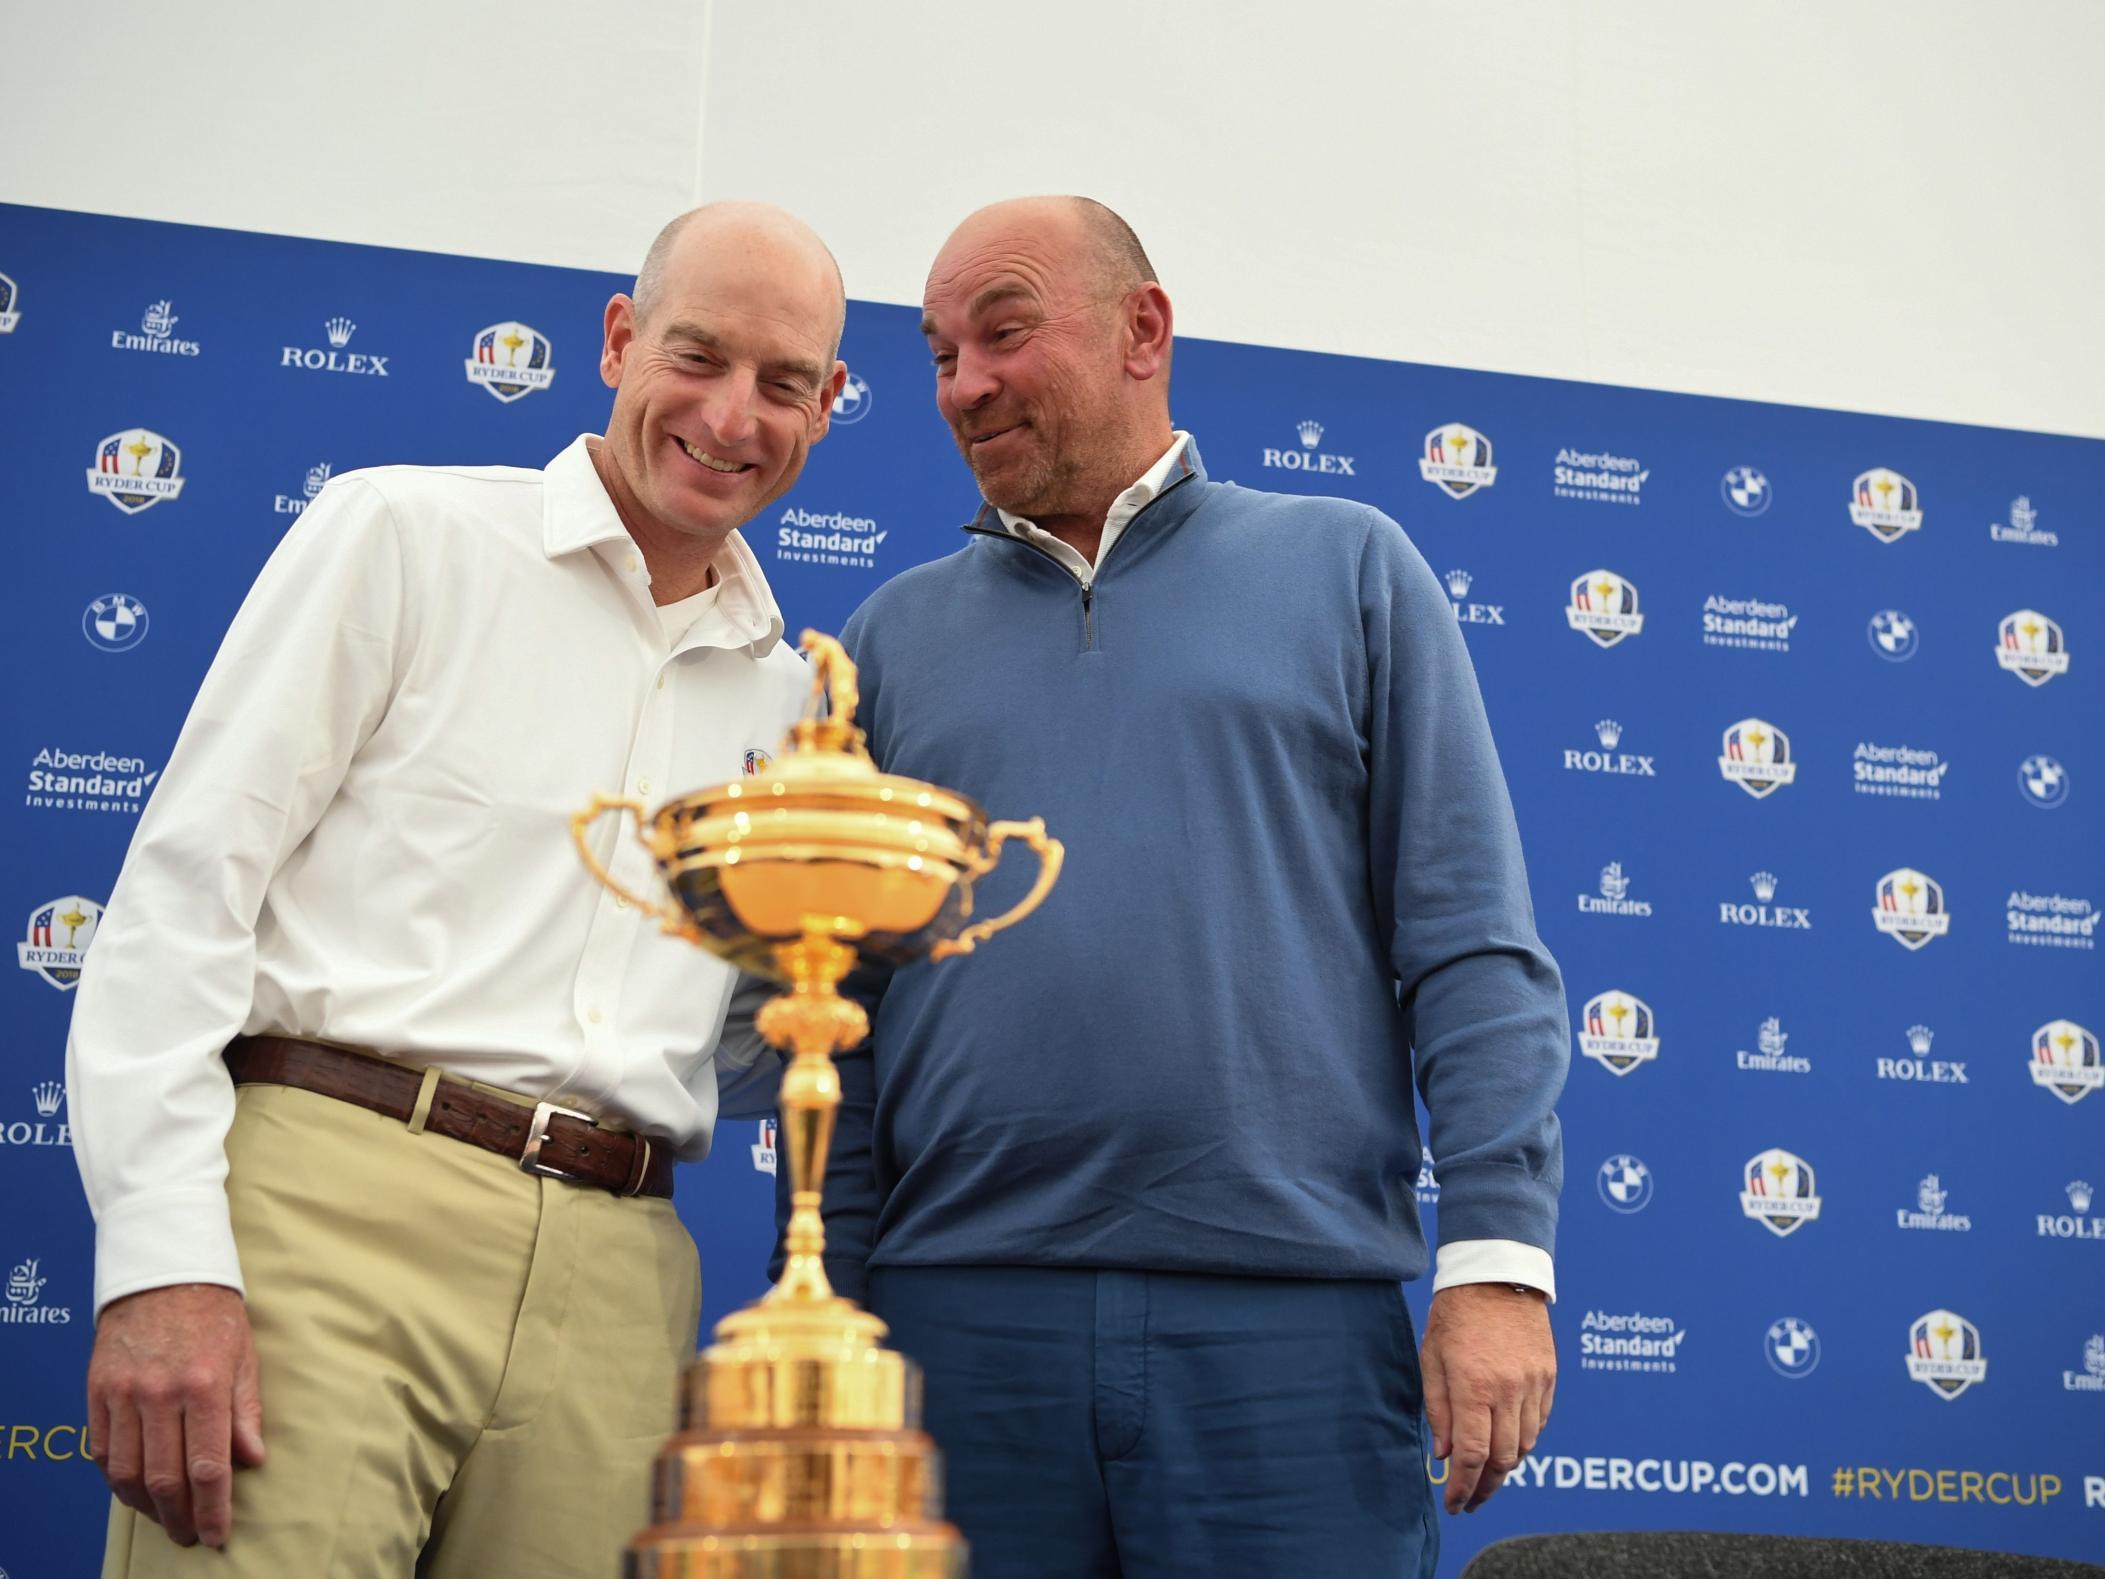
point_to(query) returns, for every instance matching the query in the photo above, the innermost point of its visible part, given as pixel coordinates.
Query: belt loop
(422, 1111)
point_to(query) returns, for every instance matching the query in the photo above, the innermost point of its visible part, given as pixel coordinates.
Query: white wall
(1882, 206)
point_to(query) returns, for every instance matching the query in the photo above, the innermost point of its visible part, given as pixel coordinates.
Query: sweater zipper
(1087, 588)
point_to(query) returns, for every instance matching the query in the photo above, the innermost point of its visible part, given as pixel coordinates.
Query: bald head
(734, 228)
(1085, 234)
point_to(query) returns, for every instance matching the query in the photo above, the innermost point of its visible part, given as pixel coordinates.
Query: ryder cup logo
(1911, 908)
(1604, 606)
(1625, 1184)
(1792, 1346)
(114, 622)
(2031, 647)
(136, 469)
(764, 1150)
(59, 935)
(852, 404)
(1779, 1193)
(2042, 781)
(1457, 458)
(10, 293)
(1618, 1032)
(1757, 757)
(1885, 505)
(511, 360)
(2065, 1061)
(1893, 636)
(1746, 491)
(1945, 1353)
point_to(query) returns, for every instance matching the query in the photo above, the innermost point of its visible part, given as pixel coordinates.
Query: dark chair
(1702, 1554)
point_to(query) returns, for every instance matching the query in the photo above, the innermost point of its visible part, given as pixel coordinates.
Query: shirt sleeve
(748, 1069)
(300, 682)
(1484, 1001)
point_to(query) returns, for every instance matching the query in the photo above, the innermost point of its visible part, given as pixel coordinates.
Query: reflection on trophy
(799, 1453)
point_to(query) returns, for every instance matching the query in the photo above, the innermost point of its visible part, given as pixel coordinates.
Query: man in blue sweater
(1136, 1185)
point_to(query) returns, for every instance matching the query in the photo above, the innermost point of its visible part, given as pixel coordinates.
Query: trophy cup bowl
(799, 1453)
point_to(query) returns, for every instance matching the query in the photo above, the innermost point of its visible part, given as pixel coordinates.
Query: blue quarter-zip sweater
(1293, 883)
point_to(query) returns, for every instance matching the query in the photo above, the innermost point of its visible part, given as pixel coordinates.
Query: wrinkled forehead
(778, 297)
(989, 266)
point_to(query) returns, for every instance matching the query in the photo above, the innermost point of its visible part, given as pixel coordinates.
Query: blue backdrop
(1799, 709)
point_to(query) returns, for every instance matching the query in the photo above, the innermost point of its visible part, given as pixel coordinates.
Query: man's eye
(944, 358)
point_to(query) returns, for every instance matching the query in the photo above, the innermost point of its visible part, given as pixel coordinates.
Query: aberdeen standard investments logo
(61, 780)
(1457, 458)
(816, 537)
(1603, 606)
(1911, 772)
(1752, 623)
(2051, 920)
(58, 937)
(1910, 908)
(2065, 1061)
(135, 469)
(1618, 1033)
(1944, 1353)
(1598, 475)
(511, 360)
(1779, 1193)
(1628, 1341)
(1308, 457)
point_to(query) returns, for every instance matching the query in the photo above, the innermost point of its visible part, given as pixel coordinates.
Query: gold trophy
(799, 1453)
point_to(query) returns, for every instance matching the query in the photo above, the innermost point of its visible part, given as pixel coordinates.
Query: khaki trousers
(465, 1370)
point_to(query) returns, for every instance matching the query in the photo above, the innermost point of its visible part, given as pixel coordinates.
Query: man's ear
(620, 333)
(828, 394)
(1148, 332)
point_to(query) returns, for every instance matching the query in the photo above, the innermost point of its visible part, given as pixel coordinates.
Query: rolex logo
(1919, 1038)
(1458, 583)
(1610, 732)
(2079, 1195)
(1308, 458)
(1764, 886)
(1311, 433)
(49, 1094)
(340, 331)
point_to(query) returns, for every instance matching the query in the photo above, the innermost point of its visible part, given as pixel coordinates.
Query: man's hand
(1490, 1372)
(173, 1406)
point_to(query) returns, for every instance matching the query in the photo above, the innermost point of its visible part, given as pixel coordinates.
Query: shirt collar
(577, 514)
(1181, 457)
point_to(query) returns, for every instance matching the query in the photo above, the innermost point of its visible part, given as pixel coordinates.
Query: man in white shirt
(467, 1294)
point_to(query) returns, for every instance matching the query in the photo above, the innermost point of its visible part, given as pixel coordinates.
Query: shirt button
(632, 564)
(620, 903)
(643, 786)
(661, 682)
(593, 1014)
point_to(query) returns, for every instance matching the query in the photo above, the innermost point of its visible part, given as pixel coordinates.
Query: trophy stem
(812, 1023)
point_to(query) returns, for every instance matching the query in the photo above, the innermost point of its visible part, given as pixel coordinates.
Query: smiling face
(1039, 370)
(723, 377)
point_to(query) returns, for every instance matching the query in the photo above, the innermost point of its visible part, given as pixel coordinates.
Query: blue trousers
(1136, 1425)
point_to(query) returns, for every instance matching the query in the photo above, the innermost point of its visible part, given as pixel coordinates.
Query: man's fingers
(1530, 1423)
(1472, 1452)
(124, 1465)
(208, 1464)
(165, 1473)
(248, 1412)
(1505, 1453)
(1433, 1378)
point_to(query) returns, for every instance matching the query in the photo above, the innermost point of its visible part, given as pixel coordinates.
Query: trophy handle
(669, 917)
(1050, 852)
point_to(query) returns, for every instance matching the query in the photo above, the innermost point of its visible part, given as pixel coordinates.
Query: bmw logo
(1893, 636)
(1746, 491)
(114, 622)
(1792, 1346)
(852, 404)
(1625, 1183)
(2043, 782)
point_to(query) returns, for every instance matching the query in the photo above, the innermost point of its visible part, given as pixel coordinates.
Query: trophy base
(916, 1550)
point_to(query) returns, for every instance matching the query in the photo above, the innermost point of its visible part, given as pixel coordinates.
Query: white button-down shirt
(1458, 1261)
(362, 836)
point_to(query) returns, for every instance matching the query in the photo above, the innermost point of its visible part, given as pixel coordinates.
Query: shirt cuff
(1494, 1261)
(157, 1241)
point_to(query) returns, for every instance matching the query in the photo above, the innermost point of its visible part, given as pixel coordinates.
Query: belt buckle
(530, 1159)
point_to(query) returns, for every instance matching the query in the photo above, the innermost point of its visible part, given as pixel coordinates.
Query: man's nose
(972, 382)
(728, 411)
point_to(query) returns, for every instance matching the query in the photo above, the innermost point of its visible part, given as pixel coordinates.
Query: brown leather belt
(553, 1142)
